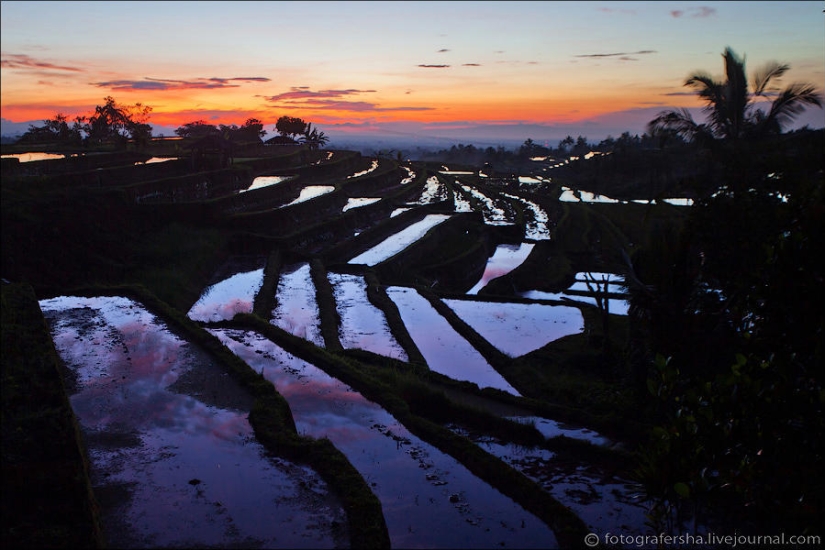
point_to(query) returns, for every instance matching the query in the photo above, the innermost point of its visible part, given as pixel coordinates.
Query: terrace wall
(82, 163)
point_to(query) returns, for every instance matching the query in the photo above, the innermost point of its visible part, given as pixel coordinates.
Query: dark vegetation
(713, 382)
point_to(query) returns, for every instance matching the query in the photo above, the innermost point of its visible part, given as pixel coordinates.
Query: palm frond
(770, 71)
(792, 101)
(735, 93)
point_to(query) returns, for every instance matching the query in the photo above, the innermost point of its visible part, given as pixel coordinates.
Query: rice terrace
(227, 340)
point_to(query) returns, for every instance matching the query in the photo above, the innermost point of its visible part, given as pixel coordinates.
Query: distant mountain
(16, 129)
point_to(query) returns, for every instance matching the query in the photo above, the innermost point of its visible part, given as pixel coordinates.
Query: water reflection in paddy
(155, 160)
(399, 241)
(174, 461)
(445, 351)
(429, 499)
(598, 282)
(605, 502)
(493, 214)
(266, 181)
(434, 191)
(363, 325)
(359, 201)
(574, 195)
(552, 428)
(223, 300)
(516, 328)
(310, 192)
(296, 309)
(34, 157)
(506, 258)
(616, 306)
(537, 226)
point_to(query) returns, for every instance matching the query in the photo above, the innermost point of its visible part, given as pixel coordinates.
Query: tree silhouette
(113, 123)
(731, 108)
(737, 379)
(55, 130)
(289, 126)
(197, 129)
(313, 138)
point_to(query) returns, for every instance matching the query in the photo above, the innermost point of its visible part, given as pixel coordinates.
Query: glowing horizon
(379, 65)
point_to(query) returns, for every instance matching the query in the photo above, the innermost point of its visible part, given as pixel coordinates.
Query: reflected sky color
(235, 294)
(616, 306)
(156, 160)
(310, 192)
(515, 328)
(434, 191)
(606, 503)
(144, 437)
(363, 325)
(410, 176)
(551, 428)
(296, 309)
(461, 203)
(33, 157)
(570, 195)
(429, 499)
(536, 227)
(493, 214)
(398, 211)
(266, 181)
(505, 259)
(445, 351)
(358, 202)
(394, 244)
(373, 167)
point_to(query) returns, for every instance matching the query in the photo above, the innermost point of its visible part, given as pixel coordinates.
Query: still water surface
(173, 458)
(429, 499)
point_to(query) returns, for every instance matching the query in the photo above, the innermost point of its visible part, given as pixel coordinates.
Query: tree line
(114, 124)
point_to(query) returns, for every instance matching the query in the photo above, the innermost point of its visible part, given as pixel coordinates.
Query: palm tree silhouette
(313, 138)
(731, 108)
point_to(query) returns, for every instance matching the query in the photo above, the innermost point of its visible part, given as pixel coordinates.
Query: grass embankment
(59, 238)
(47, 496)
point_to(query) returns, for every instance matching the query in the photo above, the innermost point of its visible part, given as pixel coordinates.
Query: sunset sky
(536, 69)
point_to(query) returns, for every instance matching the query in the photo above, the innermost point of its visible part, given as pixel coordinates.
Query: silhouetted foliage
(110, 124)
(731, 108)
(197, 129)
(313, 138)
(115, 124)
(733, 306)
(55, 130)
(291, 126)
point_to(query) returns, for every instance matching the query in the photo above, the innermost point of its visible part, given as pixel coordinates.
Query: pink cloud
(21, 61)
(161, 84)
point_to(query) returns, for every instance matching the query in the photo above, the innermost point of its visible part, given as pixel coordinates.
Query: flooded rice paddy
(173, 458)
(515, 328)
(399, 241)
(266, 181)
(176, 463)
(429, 499)
(505, 259)
(445, 351)
(296, 309)
(235, 294)
(605, 502)
(363, 325)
